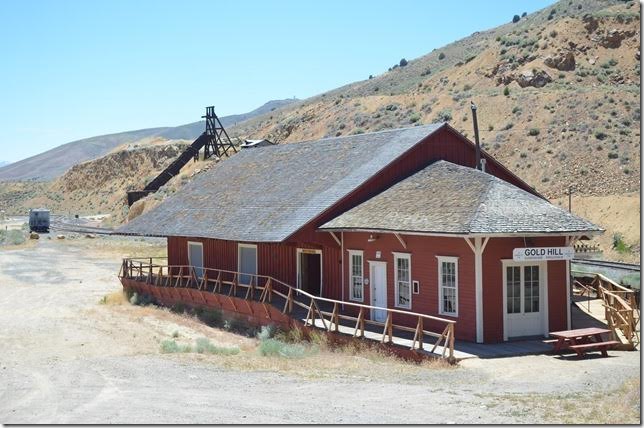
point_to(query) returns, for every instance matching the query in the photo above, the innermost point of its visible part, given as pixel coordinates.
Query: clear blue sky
(75, 69)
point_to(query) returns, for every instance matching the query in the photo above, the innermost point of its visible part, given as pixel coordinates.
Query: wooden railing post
(387, 329)
(288, 305)
(335, 319)
(359, 324)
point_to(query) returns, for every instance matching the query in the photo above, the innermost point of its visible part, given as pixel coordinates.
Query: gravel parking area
(66, 358)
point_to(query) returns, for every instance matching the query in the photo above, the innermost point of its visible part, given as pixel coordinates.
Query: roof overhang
(581, 234)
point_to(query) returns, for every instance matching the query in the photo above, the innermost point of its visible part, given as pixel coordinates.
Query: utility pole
(569, 199)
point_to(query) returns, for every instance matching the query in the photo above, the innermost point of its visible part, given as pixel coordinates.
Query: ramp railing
(321, 312)
(622, 311)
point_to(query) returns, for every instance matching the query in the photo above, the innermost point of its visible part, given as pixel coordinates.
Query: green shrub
(600, 135)
(141, 299)
(441, 55)
(533, 132)
(506, 91)
(444, 115)
(203, 346)
(172, 347)
(516, 18)
(277, 348)
(612, 155)
(619, 245)
(403, 62)
(414, 118)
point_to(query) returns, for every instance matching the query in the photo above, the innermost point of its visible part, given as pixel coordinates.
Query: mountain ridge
(54, 162)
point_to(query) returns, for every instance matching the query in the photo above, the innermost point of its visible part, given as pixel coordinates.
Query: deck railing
(229, 283)
(620, 304)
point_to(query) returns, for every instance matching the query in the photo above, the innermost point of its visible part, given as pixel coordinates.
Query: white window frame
(351, 277)
(203, 261)
(441, 260)
(396, 257)
(241, 245)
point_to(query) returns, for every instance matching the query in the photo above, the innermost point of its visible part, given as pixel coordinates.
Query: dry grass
(119, 246)
(319, 358)
(114, 299)
(619, 406)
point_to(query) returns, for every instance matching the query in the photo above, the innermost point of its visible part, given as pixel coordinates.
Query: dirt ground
(68, 358)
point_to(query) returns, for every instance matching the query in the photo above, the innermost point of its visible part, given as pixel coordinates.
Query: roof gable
(452, 199)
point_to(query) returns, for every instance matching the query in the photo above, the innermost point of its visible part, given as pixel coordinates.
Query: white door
(195, 257)
(378, 277)
(525, 300)
(247, 263)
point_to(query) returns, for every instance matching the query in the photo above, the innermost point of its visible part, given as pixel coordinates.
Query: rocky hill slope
(557, 95)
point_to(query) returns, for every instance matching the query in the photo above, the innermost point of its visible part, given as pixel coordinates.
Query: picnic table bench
(582, 340)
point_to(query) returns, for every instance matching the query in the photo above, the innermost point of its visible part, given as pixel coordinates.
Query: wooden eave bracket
(336, 238)
(402, 241)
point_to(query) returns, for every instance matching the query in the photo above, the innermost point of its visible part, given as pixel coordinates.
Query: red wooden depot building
(399, 219)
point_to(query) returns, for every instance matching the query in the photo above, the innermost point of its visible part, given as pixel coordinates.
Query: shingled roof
(453, 199)
(266, 194)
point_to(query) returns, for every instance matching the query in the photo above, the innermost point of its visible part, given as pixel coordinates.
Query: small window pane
(356, 277)
(403, 282)
(448, 287)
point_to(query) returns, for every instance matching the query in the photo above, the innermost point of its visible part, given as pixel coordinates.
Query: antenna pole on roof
(476, 136)
(218, 141)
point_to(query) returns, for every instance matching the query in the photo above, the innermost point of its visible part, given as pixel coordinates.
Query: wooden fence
(621, 306)
(321, 312)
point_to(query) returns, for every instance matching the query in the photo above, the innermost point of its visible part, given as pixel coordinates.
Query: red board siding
(424, 268)
(278, 260)
(499, 249)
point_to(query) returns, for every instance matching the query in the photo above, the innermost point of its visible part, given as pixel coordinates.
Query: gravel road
(65, 358)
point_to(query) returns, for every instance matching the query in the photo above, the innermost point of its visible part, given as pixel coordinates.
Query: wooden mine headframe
(219, 143)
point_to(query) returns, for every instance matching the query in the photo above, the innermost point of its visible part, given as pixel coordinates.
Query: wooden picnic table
(582, 340)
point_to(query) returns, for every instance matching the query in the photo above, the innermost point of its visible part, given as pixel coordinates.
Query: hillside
(557, 96)
(52, 163)
(558, 103)
(91, 187)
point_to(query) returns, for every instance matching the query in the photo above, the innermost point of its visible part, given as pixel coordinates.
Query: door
(195, 257)
(525, 300)
(310, 271)
(247, 262)
(378, 291)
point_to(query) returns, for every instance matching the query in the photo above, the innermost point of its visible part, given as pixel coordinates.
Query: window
(531, 287)
(448, 286)
(356, 275)
(402, 274)
(513, 289)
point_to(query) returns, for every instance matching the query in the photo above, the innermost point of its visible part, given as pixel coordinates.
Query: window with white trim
(448, 285)
(356, 272)
(402, 280)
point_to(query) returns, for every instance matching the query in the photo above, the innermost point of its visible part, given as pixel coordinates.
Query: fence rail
(620, 304)
(328, 312)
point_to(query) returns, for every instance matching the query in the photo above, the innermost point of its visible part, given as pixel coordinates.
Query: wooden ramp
(266, 300)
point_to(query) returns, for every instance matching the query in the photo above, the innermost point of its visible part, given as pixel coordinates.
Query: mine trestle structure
(214, 141)
(200, 286)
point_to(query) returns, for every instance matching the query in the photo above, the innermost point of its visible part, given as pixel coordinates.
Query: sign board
(308, 251)
(543, 253)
